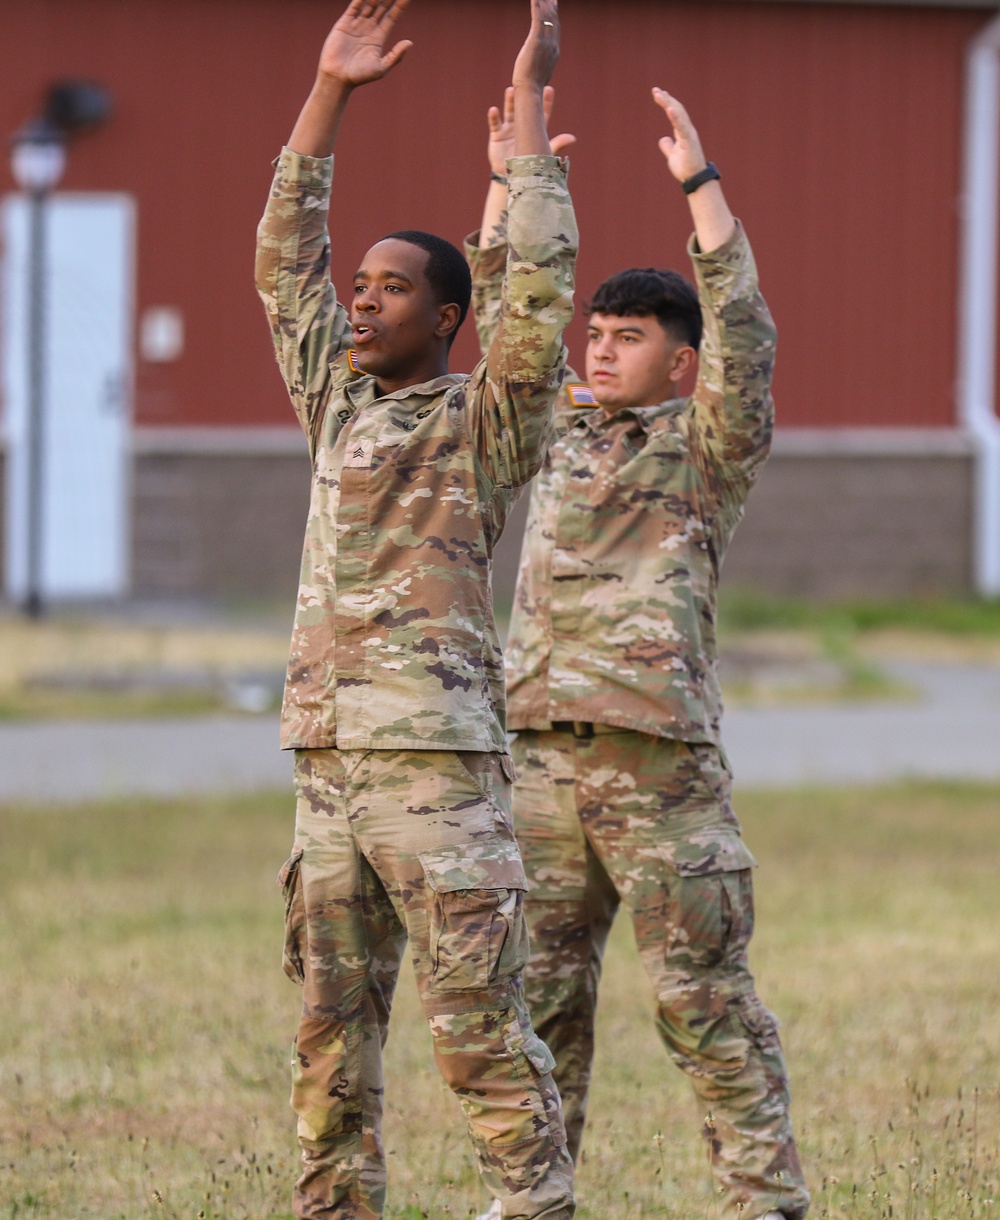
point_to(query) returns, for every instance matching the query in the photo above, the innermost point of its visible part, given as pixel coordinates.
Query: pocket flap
(708, 851)
(288, 868)
(494, 864)
(539, 1055)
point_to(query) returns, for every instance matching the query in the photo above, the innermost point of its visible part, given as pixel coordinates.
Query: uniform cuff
(298, 170)
(730, 254)
(523, 171)
(485, 262)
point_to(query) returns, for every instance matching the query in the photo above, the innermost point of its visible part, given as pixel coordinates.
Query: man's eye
(359, 288)
(393, 288)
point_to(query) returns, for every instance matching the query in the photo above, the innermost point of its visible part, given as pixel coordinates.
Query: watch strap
(708, 174)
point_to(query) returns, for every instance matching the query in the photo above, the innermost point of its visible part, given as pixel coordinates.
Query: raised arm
(309, 327)
(525, 361)
(353, 54)
(533, 68)
(499, 149)
(714, 223)
(732, 400)
(487, 249)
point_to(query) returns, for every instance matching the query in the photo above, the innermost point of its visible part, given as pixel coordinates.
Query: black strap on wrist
(709, 174)
(495, 177)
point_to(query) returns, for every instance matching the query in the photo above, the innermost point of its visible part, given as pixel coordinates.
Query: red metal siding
(837, 129)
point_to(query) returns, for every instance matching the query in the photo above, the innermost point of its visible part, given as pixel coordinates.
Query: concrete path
(952, 733)
(66, 760)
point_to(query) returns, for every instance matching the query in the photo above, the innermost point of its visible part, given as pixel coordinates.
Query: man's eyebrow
(385, 275)
(622, 330)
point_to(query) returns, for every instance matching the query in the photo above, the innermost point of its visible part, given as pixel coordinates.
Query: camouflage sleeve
(488, 265)
(309, 326)
(732, 403)
(513, 391)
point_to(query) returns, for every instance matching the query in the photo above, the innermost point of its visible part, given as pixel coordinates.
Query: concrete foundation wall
(218, 512)
(835, 515)
(850, 526)
(876, 515)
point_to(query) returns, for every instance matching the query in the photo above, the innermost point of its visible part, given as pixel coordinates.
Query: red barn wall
(837, 128)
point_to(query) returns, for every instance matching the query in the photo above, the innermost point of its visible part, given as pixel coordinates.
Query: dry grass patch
(144, 1020)
(76, 666)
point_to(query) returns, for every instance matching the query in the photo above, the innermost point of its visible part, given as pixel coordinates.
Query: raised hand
(353, 53)
(538, 57)
(501, 125)
(714, 224)
(683, 149)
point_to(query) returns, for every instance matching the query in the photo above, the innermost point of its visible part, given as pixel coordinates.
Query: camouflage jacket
(394, 644)
(614, 615)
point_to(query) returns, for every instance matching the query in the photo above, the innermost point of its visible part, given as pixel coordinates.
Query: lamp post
(38, 157)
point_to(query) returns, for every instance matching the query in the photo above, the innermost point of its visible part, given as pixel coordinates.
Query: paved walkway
(953, 732)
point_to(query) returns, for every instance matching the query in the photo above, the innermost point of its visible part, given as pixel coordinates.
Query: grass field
(87, 666)
(144, 1019)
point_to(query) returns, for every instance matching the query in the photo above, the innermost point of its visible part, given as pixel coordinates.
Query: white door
(85, 462)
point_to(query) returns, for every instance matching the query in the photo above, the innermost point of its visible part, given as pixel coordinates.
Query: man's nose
(366, 303)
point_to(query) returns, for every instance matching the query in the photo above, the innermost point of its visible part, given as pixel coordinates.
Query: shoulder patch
(581, 395)
(351, 361)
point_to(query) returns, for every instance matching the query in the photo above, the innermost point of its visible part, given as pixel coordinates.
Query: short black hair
(644, 292)
(447, 271)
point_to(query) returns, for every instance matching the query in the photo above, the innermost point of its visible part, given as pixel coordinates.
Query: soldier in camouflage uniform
(394, 701)
(623, 793)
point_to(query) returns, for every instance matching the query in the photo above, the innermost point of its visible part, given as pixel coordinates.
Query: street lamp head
(38, 150)
(77, 105)
(38, 156)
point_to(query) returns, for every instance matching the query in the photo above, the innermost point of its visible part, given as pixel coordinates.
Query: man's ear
(449, 317)
(683, 362)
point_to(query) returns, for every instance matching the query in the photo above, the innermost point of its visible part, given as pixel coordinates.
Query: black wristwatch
(708, 174)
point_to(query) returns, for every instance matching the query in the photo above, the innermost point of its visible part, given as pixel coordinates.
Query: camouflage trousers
(393, 846)
(622, 817)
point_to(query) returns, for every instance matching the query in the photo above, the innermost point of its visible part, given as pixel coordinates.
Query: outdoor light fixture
(38, 158)
(38, 150)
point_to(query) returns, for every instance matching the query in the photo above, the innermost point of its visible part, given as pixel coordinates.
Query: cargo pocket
(478, 936)
(693, 906)
(290, 880)
(712, 850)
(714, 897)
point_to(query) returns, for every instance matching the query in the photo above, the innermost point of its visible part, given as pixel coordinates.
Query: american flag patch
(351, 361)
(581, 395)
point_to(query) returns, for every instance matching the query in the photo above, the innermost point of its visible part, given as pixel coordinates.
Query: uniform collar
(596, 420)
(361, 391)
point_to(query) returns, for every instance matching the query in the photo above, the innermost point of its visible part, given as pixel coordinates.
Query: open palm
(501, 124)
(354, 49)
